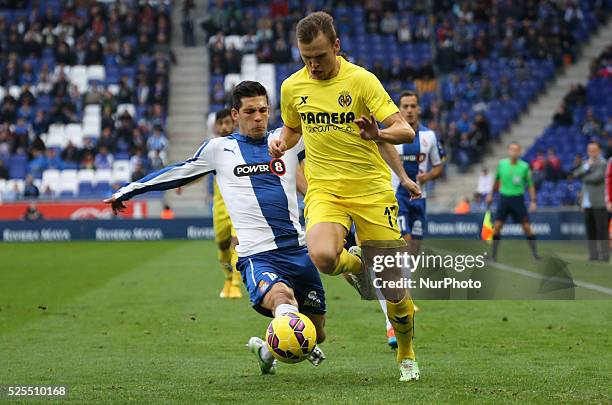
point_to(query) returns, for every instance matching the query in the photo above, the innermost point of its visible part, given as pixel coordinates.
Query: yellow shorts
(375, 216)
(222, 222)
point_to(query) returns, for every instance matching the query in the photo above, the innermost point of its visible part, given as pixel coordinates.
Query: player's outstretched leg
(267, 363)
(391, 339)
(224, 253)
(401, 316)
(235, 291)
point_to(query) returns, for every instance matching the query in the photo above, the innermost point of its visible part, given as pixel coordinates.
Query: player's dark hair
(309, 27)
(226, 112)
(409, 93)
(245, 89)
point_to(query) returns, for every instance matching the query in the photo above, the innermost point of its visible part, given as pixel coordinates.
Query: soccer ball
(291, 337)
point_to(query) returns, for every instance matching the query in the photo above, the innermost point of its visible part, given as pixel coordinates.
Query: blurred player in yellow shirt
(335, 104)
(225, 235)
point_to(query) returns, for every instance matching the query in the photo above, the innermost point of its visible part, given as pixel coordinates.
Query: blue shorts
(513, 206)
(291, 266)
(412, 216)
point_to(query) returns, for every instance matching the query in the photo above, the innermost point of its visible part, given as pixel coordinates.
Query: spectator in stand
(138, 172)
(156, 161)
(30, 190)
(157, 142)
(104, 159)
(591, 125)
(389, 24)
(404, 34)
(563, 117)
(463, 207)
(538, 168)
(38, 164)
(4, 173)
(11, 194)
(167, 212)
(478, 203)
(554, 171)
(593, 175)
(107, 140)
(87, 163)
(32, 213)
(71, 153)
(465, 152)
(485, 182)
(53, 160)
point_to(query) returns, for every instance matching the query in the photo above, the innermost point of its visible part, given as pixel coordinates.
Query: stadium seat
(85, 176)
(235, 41)
(121, 171)
(93, 110)
(102, 176)
(15, 91)
(51, 179)
(126, 107)
(231, 80)
(96, 73)
(78, 77)
(74, 134)
(20, 183)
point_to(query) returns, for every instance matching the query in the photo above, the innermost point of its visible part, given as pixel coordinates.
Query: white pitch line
(527, 273)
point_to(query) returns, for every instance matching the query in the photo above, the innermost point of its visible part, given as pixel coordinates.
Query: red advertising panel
(73, 210)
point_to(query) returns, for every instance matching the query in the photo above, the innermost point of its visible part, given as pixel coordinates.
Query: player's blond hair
(309, 27)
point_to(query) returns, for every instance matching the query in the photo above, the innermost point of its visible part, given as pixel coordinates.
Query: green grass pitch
(141, 322)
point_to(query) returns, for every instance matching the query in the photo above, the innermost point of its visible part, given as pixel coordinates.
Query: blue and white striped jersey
(418, 156)
(259, 192)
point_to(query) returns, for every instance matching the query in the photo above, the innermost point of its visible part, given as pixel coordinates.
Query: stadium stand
(477, 65)
(84, 89)
(585, 114)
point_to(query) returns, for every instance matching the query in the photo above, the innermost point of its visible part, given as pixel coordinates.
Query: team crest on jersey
(345, 99)
(263, 286)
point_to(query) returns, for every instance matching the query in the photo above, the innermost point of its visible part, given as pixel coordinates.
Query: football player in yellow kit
(334, 105)
(225, 235)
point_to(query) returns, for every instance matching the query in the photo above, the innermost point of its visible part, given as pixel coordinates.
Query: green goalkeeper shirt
(513, 178)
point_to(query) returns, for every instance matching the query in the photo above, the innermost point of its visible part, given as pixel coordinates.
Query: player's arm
(288, 138)
(292, 124)
(170, 177)
(435, 158)
(397, 130)
(390, 155)
(383, 109)
(532, 192)
(434, 173)
(300, 179)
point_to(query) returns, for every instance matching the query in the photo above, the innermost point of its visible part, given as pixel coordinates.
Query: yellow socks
(401, 316)
(225, 258)
(347, 263)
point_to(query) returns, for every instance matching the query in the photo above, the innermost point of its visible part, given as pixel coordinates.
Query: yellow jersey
(339, 160)
(219, 209)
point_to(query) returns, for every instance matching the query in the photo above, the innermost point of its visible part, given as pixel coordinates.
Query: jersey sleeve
(435, 155)
(299, 148)
(376, 98)
(289, 113)
(173, 176)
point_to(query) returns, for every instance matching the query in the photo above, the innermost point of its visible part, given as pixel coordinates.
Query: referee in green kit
(513, 176)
